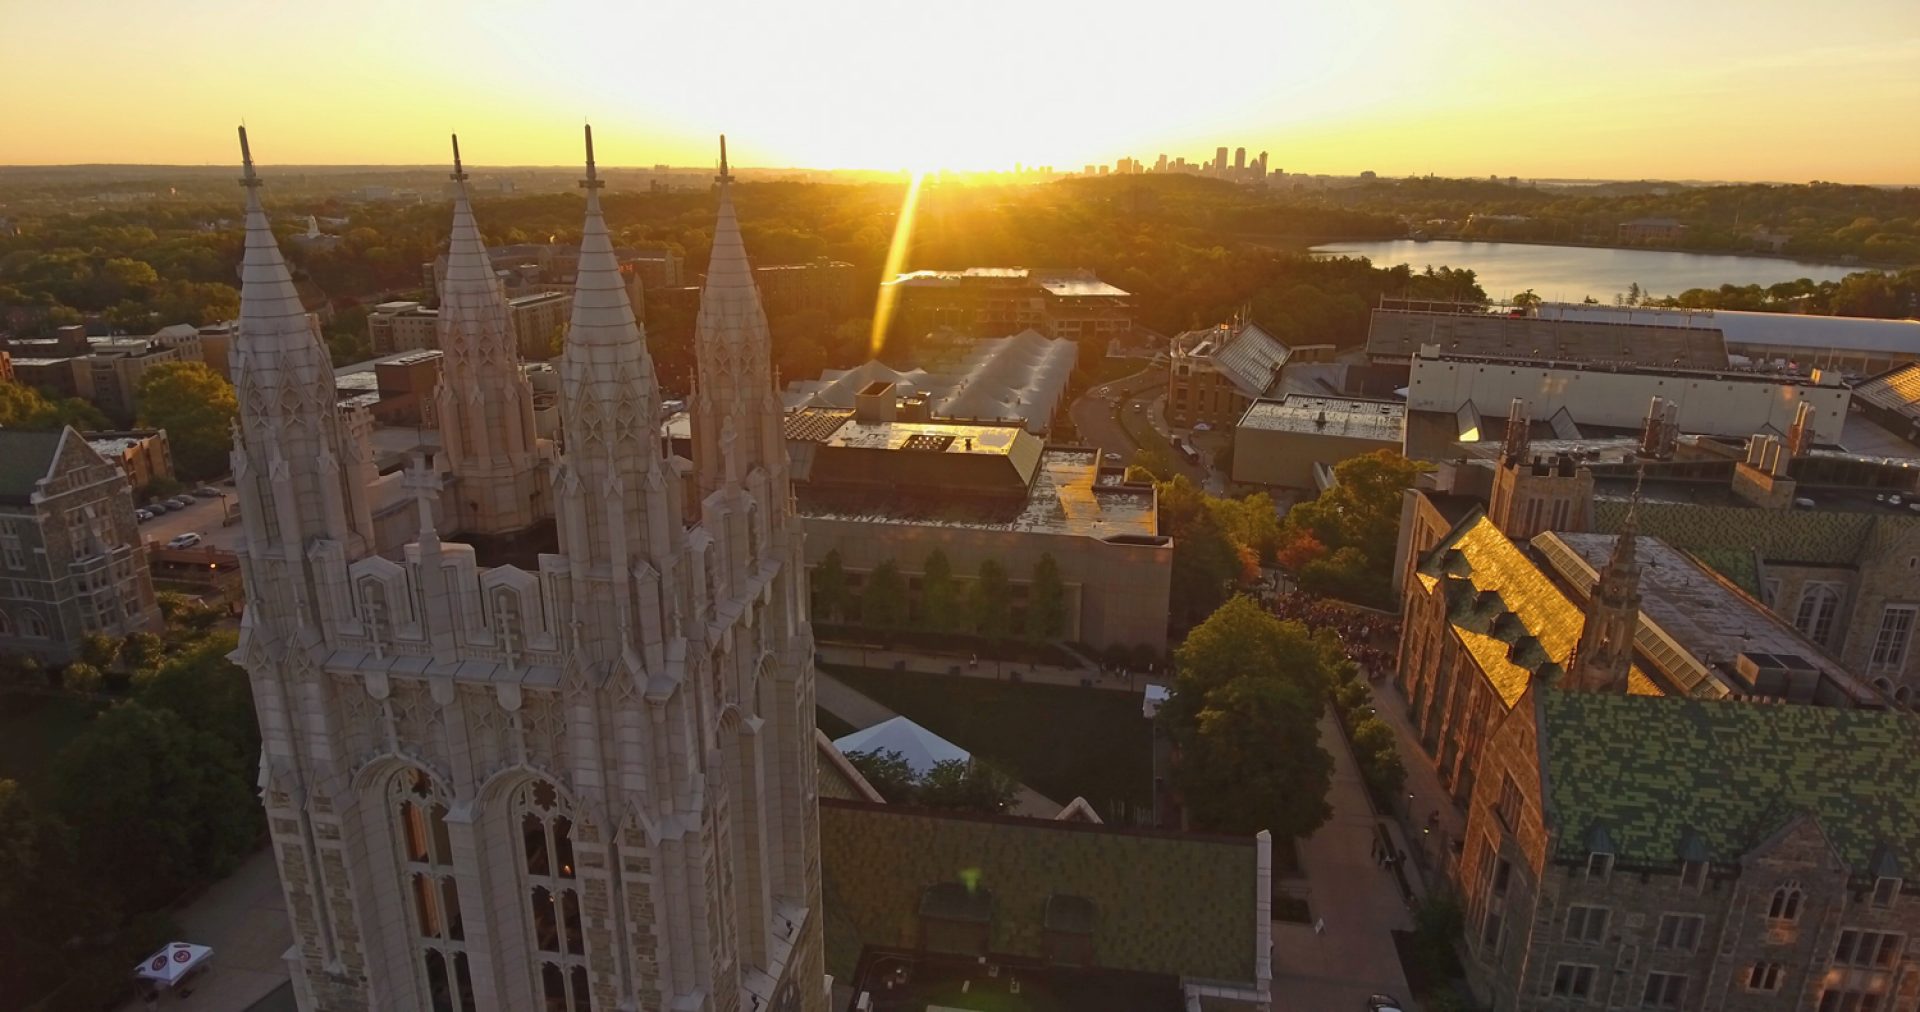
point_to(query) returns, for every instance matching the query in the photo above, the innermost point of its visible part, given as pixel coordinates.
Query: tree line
(945, 603)
(153, 798)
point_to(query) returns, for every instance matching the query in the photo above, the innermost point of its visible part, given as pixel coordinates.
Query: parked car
(206, 492)
(142, 516)
(158, 506)
(181, 501)
(187, 540)
(1110, 455)
(1382, 1003)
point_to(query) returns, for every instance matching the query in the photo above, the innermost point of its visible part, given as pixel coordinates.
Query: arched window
(32, 625)
(553, 896)
(1819, 603)
(6, 625)
(1786, 903)
(433, 897)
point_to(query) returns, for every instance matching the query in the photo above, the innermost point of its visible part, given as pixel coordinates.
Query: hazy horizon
(1553, 90)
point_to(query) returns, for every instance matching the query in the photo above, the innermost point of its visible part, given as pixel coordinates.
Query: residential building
(830, 287)
(115, 366)
(71, 561)
(141, 454)
(997, 301)
(1646, 231)
(1629, 851)
(537, 322)
(1295, 441)
(570, 767)
(876, 488)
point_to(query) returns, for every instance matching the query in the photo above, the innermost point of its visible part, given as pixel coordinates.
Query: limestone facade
(587, 784)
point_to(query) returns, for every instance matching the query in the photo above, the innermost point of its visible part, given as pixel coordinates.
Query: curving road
(1098, 416)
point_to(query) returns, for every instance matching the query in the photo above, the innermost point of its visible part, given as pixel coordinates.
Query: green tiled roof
(25, 458)
(1715, 533)
(1160, 902)
(1650, 770)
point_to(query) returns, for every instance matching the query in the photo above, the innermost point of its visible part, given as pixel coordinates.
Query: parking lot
(205, 518)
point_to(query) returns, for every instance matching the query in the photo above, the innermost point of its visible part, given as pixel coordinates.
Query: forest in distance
(1179, 244)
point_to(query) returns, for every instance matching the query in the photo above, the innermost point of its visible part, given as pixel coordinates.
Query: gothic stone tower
(1604, 653)
(585, 786)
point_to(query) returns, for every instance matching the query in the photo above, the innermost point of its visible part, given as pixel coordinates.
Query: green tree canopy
(831, 598)
(1248, 693)
(943, 606)
(197, 408)
(1357, 521)
(23, 407)
(883, 601)
(145, 781)
(1046, 601)
(989, 602)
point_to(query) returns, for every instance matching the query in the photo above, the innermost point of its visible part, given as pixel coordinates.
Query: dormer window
(1599, 866)
(1693, 874)
(1885, 890)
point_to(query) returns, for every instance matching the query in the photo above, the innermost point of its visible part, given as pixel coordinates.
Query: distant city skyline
(1554, 90)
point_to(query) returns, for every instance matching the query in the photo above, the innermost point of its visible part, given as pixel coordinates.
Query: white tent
(1151, 701)
(173, 962)
(921, 748)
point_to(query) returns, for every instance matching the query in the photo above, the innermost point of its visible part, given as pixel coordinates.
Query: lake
(1570, 273)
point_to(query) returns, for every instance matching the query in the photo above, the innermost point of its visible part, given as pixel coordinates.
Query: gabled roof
(1506, 610)
(1158, 902)
(1669, 777)
(1250, 357)
(25, 459)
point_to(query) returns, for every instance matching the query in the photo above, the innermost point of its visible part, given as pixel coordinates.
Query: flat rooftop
(1063, 499)
(1075, 288)
(1396, 333)
(1348, 417)
(1704, 615)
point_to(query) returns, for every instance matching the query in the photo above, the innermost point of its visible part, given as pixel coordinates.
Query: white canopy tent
(921, 748)
(174, 961)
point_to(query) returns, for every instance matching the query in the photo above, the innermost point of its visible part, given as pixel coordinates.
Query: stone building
(1219, 371)
(71, 560)
(566, 765)
(1665, 853)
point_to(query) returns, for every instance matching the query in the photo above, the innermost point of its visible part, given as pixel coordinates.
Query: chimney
(875, 403)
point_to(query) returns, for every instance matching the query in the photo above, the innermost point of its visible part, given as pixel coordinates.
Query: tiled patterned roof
(1506, 610)
(1161, 903)
(1651, 770)
(1718, 532)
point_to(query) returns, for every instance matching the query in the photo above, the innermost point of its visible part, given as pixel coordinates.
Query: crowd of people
(1370, 637)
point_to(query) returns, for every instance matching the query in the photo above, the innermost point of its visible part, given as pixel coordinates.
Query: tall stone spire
(736, 411)
(301, 474)
(1604, 654)
(616, 501)
(485, 402)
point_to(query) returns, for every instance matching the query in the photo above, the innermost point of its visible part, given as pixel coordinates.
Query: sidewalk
(843, 701)
(1356, 902)
(924, 663)
(244, 918)
(1424, 793)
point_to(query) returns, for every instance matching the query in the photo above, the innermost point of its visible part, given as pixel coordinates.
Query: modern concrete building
(565, 768)
(1398, 331)
(71, 560)
(823, 285)
(1857, 346)
(115, 366)
(1295, 441)
(876, 490)
(1719, 402)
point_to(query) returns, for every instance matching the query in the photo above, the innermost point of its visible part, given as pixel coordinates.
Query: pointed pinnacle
(246, 160)
(724, 176)
(459, 174)
(593, 181)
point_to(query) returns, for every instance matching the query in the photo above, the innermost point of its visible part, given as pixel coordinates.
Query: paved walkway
(244, 918)
(1424, 793)
(952, 665)
(843, 701)
(1357, 902)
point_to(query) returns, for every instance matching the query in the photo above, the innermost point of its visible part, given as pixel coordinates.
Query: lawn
(1062, 741)
(34, 728)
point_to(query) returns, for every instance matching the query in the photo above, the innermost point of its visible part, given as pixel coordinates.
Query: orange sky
(1765, 89)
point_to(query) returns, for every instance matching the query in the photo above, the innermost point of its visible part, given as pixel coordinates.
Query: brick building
(997, 301)
(1656, 852)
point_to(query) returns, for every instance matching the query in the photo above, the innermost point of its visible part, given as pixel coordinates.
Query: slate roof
(25, 458)
(1506, 610)
(1896, 390)
(1652, 770)
(1158, 902)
